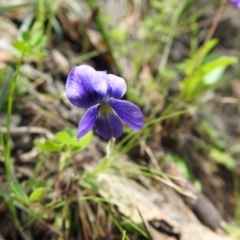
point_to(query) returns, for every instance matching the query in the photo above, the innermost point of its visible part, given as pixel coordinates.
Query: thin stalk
(41, 13)
(6, 146)
(110, 146)
(7, 162)
(124, 236)
(123, 231)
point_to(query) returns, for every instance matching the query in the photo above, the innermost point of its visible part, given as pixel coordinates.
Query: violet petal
(128, 112)
(109, 125)
(88, 121)
(236, 3)
(116, 86)
(85, 87)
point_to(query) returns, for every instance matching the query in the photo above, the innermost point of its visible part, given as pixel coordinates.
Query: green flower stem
(6, 145)
(7, 157)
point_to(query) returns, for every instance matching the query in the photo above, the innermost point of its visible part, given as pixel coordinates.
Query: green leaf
(48, 146)
(214, 76)
(86, 140)
(17, 188)
(63, 137)
(205, 76)
(71, 132)
(82, 143)
(26, 36)
(20, 45)
(223, 158)
(198, 57)
(36, 195)
(218, 63)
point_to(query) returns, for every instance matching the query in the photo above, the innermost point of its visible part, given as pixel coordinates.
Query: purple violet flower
(101, 93)
(235, 3)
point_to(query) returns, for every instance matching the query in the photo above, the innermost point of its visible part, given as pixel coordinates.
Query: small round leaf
(36, 195)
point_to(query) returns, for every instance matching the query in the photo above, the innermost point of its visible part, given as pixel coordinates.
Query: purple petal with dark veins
(85, 87)
(128, 112)
(88, 121)
(116, 86)
(236, 3)
(109, 125)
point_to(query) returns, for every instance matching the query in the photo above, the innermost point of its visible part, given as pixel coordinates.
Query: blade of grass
(124, 236)
(121, 229)
(9, 113)
(5, 86)
(136, 227)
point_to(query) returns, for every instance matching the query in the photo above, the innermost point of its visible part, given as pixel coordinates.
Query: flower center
(105, 109)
